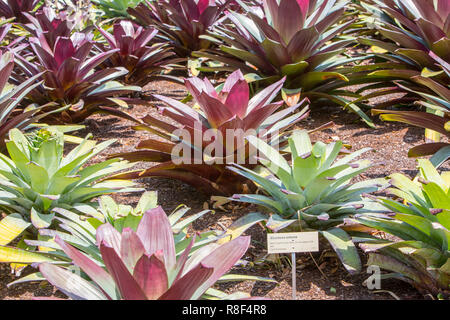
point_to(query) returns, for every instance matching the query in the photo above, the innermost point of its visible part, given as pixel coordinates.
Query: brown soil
(326, 280)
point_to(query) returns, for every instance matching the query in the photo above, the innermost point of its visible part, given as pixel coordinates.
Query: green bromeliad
(312, 192)
(36, 178)
(421, 220)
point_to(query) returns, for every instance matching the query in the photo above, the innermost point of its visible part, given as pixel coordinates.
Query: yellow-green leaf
(11, 227)
(10, 255)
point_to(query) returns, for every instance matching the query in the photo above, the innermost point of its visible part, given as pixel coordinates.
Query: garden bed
(390, 142)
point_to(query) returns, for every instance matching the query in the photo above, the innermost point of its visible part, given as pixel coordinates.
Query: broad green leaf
(149, 200)
(241, 225)
(392, 264)
(41, 220)
(429, 172)
(299, 143)
(260, 200)
(294, 68)
(305, 170)
(437, 196)
(345, 249)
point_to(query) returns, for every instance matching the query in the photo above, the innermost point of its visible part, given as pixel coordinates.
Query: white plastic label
(293, 242)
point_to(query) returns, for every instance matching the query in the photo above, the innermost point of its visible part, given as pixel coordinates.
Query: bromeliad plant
(143, 265)
(415, 28)
(193, 158)
(49, 24)
(302, 40)
(17, 8)
(36, 178)
(10, 98)
(181, 22)
(420, 62)
(415, 52)
(314, 191)
(116, 8)
(422, 222)
(70, 79)
(138, 52)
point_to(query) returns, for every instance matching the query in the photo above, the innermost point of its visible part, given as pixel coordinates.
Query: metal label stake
(294, 277)
(292, 242)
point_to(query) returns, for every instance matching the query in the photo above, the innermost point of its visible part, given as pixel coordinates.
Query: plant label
(293, 242)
